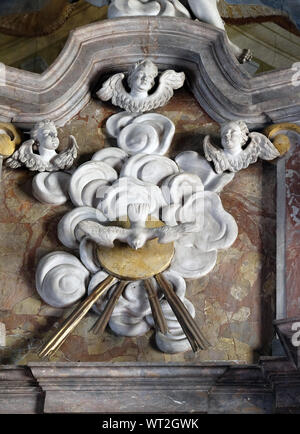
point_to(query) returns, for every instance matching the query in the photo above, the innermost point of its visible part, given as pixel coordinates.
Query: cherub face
(47, 137)
(142, 80)
(232, 137)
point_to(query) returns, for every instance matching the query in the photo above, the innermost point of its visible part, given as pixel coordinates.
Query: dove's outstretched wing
(167, 234)
(65, 159)
(168, 82)
(112, 89)
(262, 146)
(100, 234)
(216, 155)
(25, 156)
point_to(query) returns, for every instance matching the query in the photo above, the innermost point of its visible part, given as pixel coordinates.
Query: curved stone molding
(218, 82)
(205, 10)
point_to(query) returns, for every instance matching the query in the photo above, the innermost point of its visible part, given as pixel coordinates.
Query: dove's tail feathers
(138, 212)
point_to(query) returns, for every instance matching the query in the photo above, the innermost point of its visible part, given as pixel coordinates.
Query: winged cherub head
(45, 134)
(234, 135)
(141, 78)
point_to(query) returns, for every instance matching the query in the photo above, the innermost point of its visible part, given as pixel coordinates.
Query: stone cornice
(270, 386)
(198, 49)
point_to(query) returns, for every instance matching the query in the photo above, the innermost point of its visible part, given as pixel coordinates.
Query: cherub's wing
(65, 159)
(25, 156)
(215, 154)
(172, 79)
(100, 234)
(262, 146)
(111, 86)
(167, 234)
(247, 156)
(169, 80)
(13, 161)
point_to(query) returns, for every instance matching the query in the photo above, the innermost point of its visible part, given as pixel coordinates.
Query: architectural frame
(202, 52)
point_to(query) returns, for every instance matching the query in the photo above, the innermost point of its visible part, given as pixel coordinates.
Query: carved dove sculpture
(137, 235)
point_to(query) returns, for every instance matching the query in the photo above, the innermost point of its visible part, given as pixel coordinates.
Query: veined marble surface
(293, 229)
(234, 303)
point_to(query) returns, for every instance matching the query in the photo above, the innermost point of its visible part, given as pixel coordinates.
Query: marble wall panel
(234, 303)
(293, 231)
